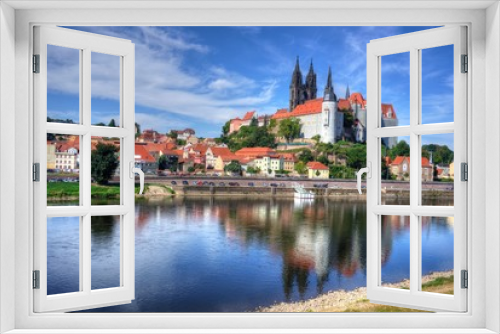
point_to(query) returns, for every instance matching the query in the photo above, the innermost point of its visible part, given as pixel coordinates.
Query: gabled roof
(216, 151)
(202, 148)
(141, 150)
(399, 159)
(309, 107)
(248, 115)
(386, 107)
(316, 165)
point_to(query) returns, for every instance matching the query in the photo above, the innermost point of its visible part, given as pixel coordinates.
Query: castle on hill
(322, 116)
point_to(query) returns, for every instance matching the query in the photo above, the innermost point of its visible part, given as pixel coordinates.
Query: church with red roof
(323, 116)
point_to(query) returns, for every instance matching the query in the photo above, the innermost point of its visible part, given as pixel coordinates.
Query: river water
(236, 254)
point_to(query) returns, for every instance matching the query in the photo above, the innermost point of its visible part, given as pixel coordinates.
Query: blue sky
(200, 77)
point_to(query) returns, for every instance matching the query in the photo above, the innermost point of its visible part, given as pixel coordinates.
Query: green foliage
(342, 172)
(104, 162)
(323, 159)
(225, 128)
(306, 156)
(272, 123)
(112, 123)
(282, 171)
(233, 167)
(251, 136)
(356, 156)
(348, 119)
(181, 142)
(318, 173)
(441, 154)
(55, 120)
(172, 134)
(402, 148)
(138, 129)
(253, 170)
(289, 128)
(300, 167)
(100, 124)
(191, 169)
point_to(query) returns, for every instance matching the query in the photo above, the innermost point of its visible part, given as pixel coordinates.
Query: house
(269, 164)
(400, 169)
(184, 134)
(212, 153)
(144, 160)
(198, 153)
(317, 170)
(289, 161)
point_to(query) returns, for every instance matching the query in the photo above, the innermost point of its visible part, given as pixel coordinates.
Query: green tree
(112, 123)
(300, 167)
(323, 159)
(306, 156)
(104, 161)
(181, 142)
(400, 149)
(233, 167)
(137, 129)
(225, 128)
(356, 156)
(253, 170)
(289, 128)
(191, 169)
(441, 154)
(172, 134)
(272, 124)
(348, 119)
(251, 136)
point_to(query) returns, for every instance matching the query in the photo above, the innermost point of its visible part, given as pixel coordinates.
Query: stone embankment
(341, 300)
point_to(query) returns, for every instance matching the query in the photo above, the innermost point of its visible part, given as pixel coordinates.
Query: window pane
(63, 255)
(105, 251)
(395, 89)
(105, 170)
(437, 169)
(105, 90)
(395, 251)
(63, 169)
(395, 170)
(63, 84)
(437, 84)
(437, 254)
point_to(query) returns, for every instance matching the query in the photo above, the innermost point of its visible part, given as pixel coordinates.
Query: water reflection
(233, 255)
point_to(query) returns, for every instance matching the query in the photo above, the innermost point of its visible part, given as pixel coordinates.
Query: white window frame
(86, 44)
(483, 100)
(414, 43)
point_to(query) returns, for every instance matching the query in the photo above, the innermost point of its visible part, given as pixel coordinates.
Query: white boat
(301, 193)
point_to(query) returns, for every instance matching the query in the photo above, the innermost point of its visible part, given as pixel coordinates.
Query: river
(225, 254)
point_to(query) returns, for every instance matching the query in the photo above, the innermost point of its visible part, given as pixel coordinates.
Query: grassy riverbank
(71, 190)
(356, 301)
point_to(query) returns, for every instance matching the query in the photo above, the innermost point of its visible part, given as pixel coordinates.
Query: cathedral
(323, 116)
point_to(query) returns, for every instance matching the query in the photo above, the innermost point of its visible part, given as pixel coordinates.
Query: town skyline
(187, 77)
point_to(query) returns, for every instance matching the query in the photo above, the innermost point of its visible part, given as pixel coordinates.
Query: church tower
(297, 95)
(347, 93)
(332, 120)
(311, 88)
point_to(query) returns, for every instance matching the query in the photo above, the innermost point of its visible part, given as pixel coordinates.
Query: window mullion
(414, 168)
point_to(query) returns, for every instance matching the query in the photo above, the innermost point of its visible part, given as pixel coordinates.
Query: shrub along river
(219, 254)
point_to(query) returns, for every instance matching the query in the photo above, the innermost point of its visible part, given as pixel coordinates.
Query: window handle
(134, 170)
(360, 172)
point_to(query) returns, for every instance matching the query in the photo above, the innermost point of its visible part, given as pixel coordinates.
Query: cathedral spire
(310, 87)
(329, 94)
(297, 95)
(347, 93)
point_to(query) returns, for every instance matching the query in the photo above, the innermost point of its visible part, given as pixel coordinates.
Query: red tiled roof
(229, 157)
(316, 165)
(254, 151)
(386, 107)
(202, 148)
(248, 115)
(358, 99)
(142, 151)
(309, 107)
(216, 151)
(344, 104)
(399, 159)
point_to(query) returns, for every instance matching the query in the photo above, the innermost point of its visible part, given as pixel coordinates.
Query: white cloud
(162, 80)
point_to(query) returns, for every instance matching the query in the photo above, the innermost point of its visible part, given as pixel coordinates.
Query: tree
(306, 156)
(289, 128)
(441, 154)
(400, 149)
(356, 156)
(253, 170)
(323, 159)
(225, 128)
(234, 167)
(348, 119)
(317, 139)
(191, 169)
(104, 162)
(172, 134)
(181, 142)
(112, 123)
(137, 129)
(251, 136)
(272, 123)
(300, 167)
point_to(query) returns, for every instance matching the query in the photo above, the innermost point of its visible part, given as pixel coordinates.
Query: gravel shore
(340, 299)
